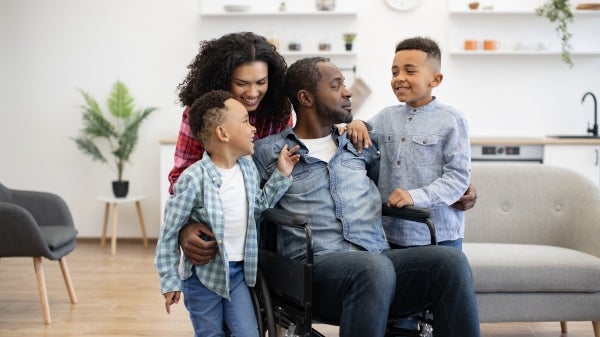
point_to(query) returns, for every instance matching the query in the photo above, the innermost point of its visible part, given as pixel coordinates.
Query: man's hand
(468, 200)
(199, 251)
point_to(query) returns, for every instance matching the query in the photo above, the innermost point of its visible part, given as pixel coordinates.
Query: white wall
(49, 48)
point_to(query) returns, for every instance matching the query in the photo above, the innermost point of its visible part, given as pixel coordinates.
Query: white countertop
(495, 141)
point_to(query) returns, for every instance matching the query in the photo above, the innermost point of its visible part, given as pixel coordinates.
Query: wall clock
(403, 5)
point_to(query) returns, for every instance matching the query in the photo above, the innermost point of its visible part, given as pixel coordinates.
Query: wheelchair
(282, 295)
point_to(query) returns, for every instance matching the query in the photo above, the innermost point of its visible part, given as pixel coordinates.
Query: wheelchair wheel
(263, 307)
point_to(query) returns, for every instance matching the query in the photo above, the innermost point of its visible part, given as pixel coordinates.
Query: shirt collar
(433, 105)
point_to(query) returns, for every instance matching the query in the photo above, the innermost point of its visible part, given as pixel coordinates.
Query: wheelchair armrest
(284, 218)
(412, 213)
(281, 217)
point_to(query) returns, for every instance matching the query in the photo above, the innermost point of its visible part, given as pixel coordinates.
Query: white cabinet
(167, 153)
(581, 158)
(518, 30)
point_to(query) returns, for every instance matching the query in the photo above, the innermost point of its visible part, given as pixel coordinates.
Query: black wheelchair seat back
(283, 294)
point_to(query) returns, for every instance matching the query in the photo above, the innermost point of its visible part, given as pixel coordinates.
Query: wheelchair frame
(283, 293)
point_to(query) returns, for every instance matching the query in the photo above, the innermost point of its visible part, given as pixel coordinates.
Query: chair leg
(39, 271)
(563, 326)
(67, 277)
(596, 325)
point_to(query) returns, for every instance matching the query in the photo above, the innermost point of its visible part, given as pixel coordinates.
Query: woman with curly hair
(249, 67)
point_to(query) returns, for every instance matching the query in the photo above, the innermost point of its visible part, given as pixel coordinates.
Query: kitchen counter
(496, 141)
(533, 141)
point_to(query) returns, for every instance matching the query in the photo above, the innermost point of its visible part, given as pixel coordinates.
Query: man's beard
(338, 115)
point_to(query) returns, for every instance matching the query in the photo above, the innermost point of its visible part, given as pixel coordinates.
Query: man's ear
(222, 133)
(437, 80)
(305, 98)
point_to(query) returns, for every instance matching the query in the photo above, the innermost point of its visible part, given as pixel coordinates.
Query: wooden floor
(119, 296)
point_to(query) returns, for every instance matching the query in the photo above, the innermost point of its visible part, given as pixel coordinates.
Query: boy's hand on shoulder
(172, 297)
(359, 135)
(287, 159)
(400, 198)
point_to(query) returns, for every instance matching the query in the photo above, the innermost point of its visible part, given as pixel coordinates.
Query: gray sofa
(533, 242)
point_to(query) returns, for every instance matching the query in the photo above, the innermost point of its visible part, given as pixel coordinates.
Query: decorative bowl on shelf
(236, 8)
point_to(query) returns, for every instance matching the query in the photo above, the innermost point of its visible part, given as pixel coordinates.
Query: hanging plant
(559, 12)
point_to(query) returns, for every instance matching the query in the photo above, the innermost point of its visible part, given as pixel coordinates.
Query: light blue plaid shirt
(196, 198)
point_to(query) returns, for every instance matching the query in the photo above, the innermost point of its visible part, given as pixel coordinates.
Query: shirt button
(410, 119)
(402, 139)
(398, 162)
(414, 110)
(424, 142)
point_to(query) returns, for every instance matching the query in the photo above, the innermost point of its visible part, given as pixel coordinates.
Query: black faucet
(594, 129)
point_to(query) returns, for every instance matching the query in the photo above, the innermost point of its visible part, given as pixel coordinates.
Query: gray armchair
(37, 224)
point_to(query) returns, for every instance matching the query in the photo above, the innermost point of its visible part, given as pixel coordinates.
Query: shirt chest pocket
(425, 149)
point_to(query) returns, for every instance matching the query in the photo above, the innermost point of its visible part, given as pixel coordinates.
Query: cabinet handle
(597, 154)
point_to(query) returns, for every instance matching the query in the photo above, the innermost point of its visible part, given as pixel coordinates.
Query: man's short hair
(302, 74)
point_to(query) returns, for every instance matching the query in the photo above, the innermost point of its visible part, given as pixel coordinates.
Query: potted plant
(559, 11)
(349, 40)
(116, 133)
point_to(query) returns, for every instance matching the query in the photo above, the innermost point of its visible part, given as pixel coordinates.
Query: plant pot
(348, 46)
(120, 188)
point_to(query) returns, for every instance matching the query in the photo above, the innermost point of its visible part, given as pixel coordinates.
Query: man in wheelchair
(357, 280)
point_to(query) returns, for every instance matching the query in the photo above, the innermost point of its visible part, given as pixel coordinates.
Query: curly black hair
(215, 63)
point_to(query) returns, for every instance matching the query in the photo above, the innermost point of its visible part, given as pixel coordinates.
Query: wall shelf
(301, 23)
(222, 13)
(307, 53)
(521, 52)
(515, 12)
(517, 30)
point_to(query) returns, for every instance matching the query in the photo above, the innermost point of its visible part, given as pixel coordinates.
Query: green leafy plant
(559, 12)
(349, 37)
(119, 133)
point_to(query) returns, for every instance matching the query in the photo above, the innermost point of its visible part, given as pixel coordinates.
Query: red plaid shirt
(189, 150)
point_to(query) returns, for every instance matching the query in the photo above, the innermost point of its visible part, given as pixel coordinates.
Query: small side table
(114, 202)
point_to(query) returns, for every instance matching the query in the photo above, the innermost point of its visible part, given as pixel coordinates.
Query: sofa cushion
(514, 268)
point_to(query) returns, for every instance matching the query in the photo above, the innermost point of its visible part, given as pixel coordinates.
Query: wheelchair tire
(263, 307)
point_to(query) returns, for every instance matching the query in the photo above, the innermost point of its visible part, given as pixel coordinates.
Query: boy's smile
(414, 77)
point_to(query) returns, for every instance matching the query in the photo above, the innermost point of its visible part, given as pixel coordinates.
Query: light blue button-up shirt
(425, 151)
(196, 198)
(339, 199)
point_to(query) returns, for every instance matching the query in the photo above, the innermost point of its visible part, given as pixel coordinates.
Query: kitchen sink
(574, 136)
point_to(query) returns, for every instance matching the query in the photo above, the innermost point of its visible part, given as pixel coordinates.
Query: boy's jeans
(208, 310)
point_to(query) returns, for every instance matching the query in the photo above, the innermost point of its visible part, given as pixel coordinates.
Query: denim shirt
(426, 152)
(339, 199)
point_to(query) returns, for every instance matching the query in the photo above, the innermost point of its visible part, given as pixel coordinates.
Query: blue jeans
(412, 323)
(358, 290)
(208, 310)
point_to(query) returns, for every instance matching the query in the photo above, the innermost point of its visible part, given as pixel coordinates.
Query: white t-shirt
(321, 148)
(235, 210)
